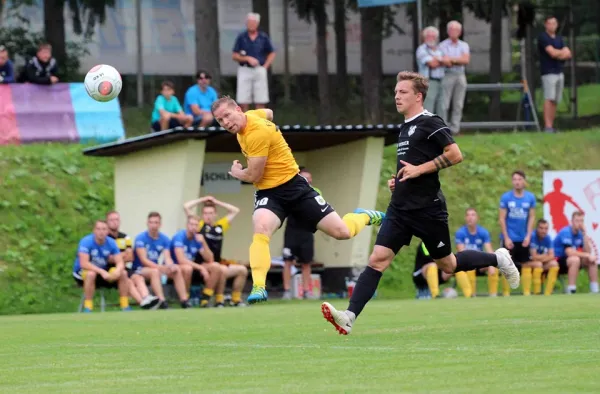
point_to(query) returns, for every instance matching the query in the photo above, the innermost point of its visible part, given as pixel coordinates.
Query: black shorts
(428, 224)
(172, 124)
(100, 282)
(519, 253)
(301, 250)
(295, 197)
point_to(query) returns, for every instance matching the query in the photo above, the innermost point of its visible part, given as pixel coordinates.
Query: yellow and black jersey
(214, 235)
(123, 241)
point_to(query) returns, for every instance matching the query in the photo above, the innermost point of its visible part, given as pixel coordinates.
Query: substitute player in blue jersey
(573, 252)
(517, 218)
(90, 269)
(472, 236)
(543, 260)
(149, 246)
(185, 245)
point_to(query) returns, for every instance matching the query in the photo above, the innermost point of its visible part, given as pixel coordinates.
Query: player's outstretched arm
(268, 112)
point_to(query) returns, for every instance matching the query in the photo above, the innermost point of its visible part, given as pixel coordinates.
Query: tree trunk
(261, 7)
(54, 31)
(207, 39)
(495, 57)
(322, 66)
(371, 22)
(340, 51)
(416, 37)
(452, 11)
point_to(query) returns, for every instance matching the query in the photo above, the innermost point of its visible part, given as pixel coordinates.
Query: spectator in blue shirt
(7, 72)
(90, 268)
(553, 53)
(542, 258)
(254, 52)
(167, 113)
(472, 236)
(198, 100)
(149, 246)
(573, 251)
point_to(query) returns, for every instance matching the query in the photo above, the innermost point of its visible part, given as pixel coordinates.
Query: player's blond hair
(220, 101)
(419, 82)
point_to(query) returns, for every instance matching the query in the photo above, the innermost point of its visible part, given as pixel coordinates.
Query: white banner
(168, 38)
(216, 179)
(569, 191)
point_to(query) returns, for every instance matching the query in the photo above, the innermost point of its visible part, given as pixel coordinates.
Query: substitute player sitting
(185, 244)
(474, 237)
(91, 265)
(281, 192)
(542, 260)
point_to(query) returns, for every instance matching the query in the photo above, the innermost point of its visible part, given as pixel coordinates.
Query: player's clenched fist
(392, 184)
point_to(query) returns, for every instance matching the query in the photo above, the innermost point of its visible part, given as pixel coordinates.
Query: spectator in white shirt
(454, 83)
(431, 62)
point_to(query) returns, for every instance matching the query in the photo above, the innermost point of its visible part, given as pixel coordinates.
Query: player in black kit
(418, 207)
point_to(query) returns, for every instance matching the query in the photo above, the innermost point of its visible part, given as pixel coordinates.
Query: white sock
(571, 288)
(594, 287)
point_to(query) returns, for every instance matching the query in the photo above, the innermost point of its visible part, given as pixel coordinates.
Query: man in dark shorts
(418, 207)
(298, 247)
(281, 191)
(426, 276)
(517, 219)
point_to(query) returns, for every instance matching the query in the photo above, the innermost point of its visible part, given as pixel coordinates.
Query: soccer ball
(103, 83)
(450, 292)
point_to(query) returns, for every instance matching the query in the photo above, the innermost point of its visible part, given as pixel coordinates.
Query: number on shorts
(262, 202)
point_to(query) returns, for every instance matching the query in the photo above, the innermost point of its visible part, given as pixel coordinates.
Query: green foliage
(53, 195)
(482, 178)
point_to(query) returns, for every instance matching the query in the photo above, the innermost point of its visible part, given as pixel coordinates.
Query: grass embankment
(51, 194)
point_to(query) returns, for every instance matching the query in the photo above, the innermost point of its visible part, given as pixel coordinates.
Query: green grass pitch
(482, 345)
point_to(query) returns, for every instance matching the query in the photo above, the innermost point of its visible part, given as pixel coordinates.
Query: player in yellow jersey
(281, 191)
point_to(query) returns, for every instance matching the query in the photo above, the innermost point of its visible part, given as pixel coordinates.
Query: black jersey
(422, 138)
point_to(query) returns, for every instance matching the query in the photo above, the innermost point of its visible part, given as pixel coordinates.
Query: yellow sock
(505, 287)
(551, 280)
(208, 292)
(432, 280)
(526, 280)
(236, 296)
(493, 283)
(220, 298)
(260, 259)
(89, 304)
(356, 222)
(464, 283)
(473, 279)
(124, 302)
(537, 280)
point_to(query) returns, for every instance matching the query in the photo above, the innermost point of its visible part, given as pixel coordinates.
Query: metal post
(572, 63)
(286, 54)
(420, 15)
(140, 71)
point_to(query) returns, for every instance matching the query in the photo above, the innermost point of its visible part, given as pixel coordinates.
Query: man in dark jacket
(6, 67)
(42, 68)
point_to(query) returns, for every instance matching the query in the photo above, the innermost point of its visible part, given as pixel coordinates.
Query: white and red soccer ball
(103, 82)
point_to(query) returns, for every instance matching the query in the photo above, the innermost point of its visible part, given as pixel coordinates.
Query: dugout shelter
(160, 171)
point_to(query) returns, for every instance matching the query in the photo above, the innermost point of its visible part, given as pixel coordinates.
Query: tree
(495, 56)
(341, 59)
(206, 20)
(372, 25)
(314, 10)
(84, 13)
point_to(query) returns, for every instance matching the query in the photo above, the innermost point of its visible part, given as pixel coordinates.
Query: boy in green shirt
(168, 113)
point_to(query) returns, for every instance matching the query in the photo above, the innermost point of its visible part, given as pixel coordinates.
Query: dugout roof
(300, 138)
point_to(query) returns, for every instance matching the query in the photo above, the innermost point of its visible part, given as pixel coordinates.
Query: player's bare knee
(341, 233)
(574, 261)
(379, 261)
(90, 276)
(447, 264)
(536, 264)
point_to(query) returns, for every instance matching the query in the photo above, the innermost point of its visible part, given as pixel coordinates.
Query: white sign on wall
(168, 38)
(216, 179)
(569, 191)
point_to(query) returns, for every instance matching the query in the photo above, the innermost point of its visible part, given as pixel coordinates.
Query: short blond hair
(222, 100)
(419, 82)
(453, 23)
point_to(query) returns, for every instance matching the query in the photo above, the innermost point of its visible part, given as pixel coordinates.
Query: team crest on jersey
(412, 130)
(320, 200)
(218, 230)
